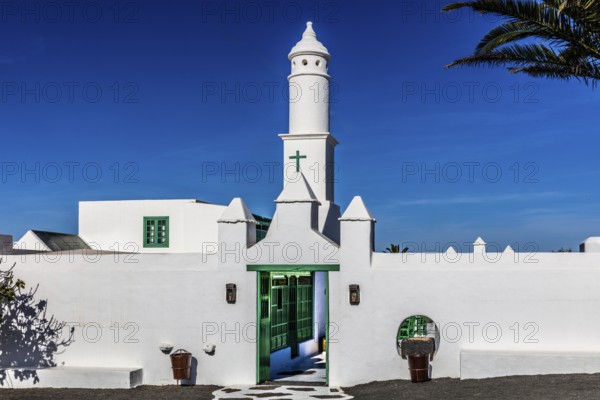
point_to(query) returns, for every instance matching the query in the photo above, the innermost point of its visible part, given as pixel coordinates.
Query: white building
(252, 310)
(138, 226)
(149, 226)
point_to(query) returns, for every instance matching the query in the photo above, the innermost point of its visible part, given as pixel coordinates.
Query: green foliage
(558, 39)
(395, 248)
(29, 338)
(9, 287)
(562, 250)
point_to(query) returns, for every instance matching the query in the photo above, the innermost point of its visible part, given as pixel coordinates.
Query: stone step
(480, 363)
(76, 377)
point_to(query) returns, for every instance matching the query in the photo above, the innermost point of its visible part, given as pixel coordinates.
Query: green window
(156, 231)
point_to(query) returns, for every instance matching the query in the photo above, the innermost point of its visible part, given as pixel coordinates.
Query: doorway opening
(293, 312)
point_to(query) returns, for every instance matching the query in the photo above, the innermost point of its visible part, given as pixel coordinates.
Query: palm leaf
(566, 35)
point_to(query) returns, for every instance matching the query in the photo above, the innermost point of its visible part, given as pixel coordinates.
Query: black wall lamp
(354, 295)
(231, 293)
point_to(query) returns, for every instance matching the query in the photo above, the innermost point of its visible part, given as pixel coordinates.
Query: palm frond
(506, 33)
(566, 35)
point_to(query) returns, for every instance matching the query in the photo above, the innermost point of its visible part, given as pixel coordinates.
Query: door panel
(264, 329)
(292, 324)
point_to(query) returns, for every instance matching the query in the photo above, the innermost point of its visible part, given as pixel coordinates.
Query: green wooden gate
(279, 312)
(413, 326)
(264, 327)
(285, 310)
(304, 308)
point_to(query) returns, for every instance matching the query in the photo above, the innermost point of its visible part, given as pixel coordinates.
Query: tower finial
(309, 32)
(309, 44)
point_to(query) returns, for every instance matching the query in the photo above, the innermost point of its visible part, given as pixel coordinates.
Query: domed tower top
(309, 44)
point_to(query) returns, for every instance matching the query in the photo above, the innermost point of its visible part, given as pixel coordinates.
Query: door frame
(292, 268)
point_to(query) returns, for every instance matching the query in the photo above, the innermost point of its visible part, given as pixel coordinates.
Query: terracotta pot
(419, 368)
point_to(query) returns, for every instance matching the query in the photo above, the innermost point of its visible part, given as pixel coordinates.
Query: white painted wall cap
(509, 250)
(237, 212)
(450, 251)
(357, 211)
(309, 44)
(297, 190)
(479, 242)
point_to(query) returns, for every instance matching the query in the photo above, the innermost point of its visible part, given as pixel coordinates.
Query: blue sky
(141, 99)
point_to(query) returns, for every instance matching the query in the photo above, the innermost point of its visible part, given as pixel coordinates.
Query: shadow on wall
(28, 339)
(193, 374)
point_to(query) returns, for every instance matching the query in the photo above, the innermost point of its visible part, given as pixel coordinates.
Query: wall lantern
(230, 293)
(354, 295)
(165, 347)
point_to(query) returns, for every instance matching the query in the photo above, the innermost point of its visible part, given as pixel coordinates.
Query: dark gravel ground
(139, 393)
(546, 387)
(539, 387)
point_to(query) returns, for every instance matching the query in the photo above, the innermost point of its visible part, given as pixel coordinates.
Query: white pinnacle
(236, 212)
(357, 211)
(309, 44)
(309, 31)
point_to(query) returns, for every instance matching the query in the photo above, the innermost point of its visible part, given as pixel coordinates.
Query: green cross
(297, 157)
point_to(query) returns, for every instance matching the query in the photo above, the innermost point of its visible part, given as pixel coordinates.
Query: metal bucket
(181, 363)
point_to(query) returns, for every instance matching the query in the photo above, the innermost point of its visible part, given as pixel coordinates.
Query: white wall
(118, 225)
(556, 294)
(176, 297)
(163, 297)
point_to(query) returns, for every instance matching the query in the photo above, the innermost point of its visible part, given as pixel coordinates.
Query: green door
(264, 327)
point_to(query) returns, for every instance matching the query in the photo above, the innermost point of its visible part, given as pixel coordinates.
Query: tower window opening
(318, 62)
(304, 62)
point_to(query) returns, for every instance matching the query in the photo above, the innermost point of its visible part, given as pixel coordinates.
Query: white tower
(309, 147)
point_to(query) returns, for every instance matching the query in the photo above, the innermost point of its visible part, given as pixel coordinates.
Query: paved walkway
(294, 392)
(305, 381)
(309, 370)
